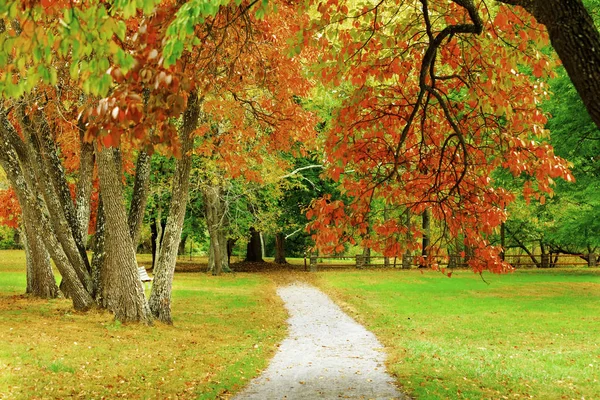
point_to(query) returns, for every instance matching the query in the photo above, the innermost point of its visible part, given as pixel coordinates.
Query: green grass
(225, 331)
(531, 334)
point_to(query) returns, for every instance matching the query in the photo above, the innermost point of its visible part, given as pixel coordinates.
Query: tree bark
(576, 41)
(280, 249)
(14, 159)
(215, 220)
(122, 290)
(81, 298)
(155, 240)
(84, 188)
(42, 178)
(160, 297)
(44, 143)
(99, 252)
(254, 249)
(425, 241)
(40, 278)
(139, 198)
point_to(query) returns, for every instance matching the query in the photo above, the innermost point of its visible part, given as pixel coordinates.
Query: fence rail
(312, 261)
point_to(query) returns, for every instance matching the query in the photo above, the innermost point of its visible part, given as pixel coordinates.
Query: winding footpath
(327, 355)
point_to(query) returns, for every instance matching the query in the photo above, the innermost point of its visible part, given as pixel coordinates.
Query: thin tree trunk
(154, 238)
(84, 189)
(425, 242)
(99, 252)
(160, 296)
(139, 198)
(216, 221)
(122, 290)
(159, 237)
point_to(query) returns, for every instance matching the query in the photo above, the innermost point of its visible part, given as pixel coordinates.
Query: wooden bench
(144, 275)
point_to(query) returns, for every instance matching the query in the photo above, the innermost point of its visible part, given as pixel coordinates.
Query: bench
(144, 275)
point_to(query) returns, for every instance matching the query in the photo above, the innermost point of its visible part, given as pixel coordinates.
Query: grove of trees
(397, 126)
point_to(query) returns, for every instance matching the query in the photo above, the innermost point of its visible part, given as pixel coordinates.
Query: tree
(575, 38)
(439, 102)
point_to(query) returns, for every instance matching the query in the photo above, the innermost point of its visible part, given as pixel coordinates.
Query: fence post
(313, 262)
(592, 260)
(360, 261)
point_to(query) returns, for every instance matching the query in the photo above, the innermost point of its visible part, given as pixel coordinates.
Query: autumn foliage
(441, 97)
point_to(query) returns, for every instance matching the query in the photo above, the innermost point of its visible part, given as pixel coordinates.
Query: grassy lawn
(531, 334)
(225, 330)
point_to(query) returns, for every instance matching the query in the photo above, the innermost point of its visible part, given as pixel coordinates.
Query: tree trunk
(216, 220)
(230, 246)
(50, 171)
(15, 161)
(280, 249)
(182, 243)
(160, 297)
(40, 278)
(99, 252)
(139, 198)
(503, 241)
(84, 187)
(576, 41)
(366, 256)
(254, 249)
(425, 242)
(155, 239)
(122, 290)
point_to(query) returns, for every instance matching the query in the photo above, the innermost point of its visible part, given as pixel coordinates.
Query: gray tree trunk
(41, 179)
(122, 290)
(31, 208)
(41, 138)
(40, 278)
(140, 197)
(99, 252)
(84, 187)
(216, 221)
(160, 296)
(19, 168)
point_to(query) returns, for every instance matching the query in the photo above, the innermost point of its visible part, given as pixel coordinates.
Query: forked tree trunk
(122, 290)
(40, 278)
(42, 179)
(215, 220)
(280, 249)
(15, 161)
(160, 296)
(51, 174)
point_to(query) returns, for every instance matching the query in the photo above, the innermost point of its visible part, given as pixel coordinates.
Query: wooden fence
(312, 262)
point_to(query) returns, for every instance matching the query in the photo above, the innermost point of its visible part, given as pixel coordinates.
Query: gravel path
(327, 355)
